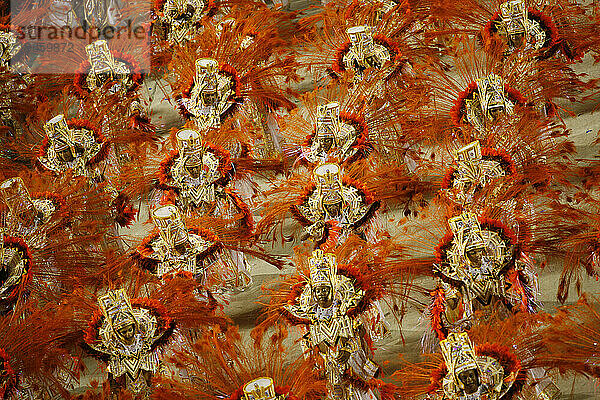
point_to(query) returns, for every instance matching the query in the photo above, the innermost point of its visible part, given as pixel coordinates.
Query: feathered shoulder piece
(454, 239)
(497, 159)
(10, 378)
(56, 199)
(465, 99)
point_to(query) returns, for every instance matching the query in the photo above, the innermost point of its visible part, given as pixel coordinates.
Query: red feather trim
(178, 274)
(10, 380)
(56, 199)
(338, 61)
(59, 205)
(458, 110)
(362, 144)
(165, 322)
(436, 377)
(90, 335)
(448, 179)
(514, 278)
(386, 390)
(546, 23)
(164, 170)
(490, 27)
(306, 193)
(514, 95)
(437, 310)
(43, 150)
(333, 234)
(497, 226)
(441, 249)
(98, 136)
(232, 73)
(125, 212)
(141, 123)
(366, 195)
(247, 220)
(225, 167)
(502, 156)
(506, 234)
(389, 44)
(295, 292)
(509, 363)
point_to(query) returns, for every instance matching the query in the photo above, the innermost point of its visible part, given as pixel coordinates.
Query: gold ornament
(181, 18)
(364, 53)
(517, 28)
(333, 201)
(473, 172)
(23, 210)
(128, 335)
(333, 137)
(260, 389)
(211, 96)
(469, 376)
(488, 102)
(476, 258)
(69, 148)
(105, 69)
